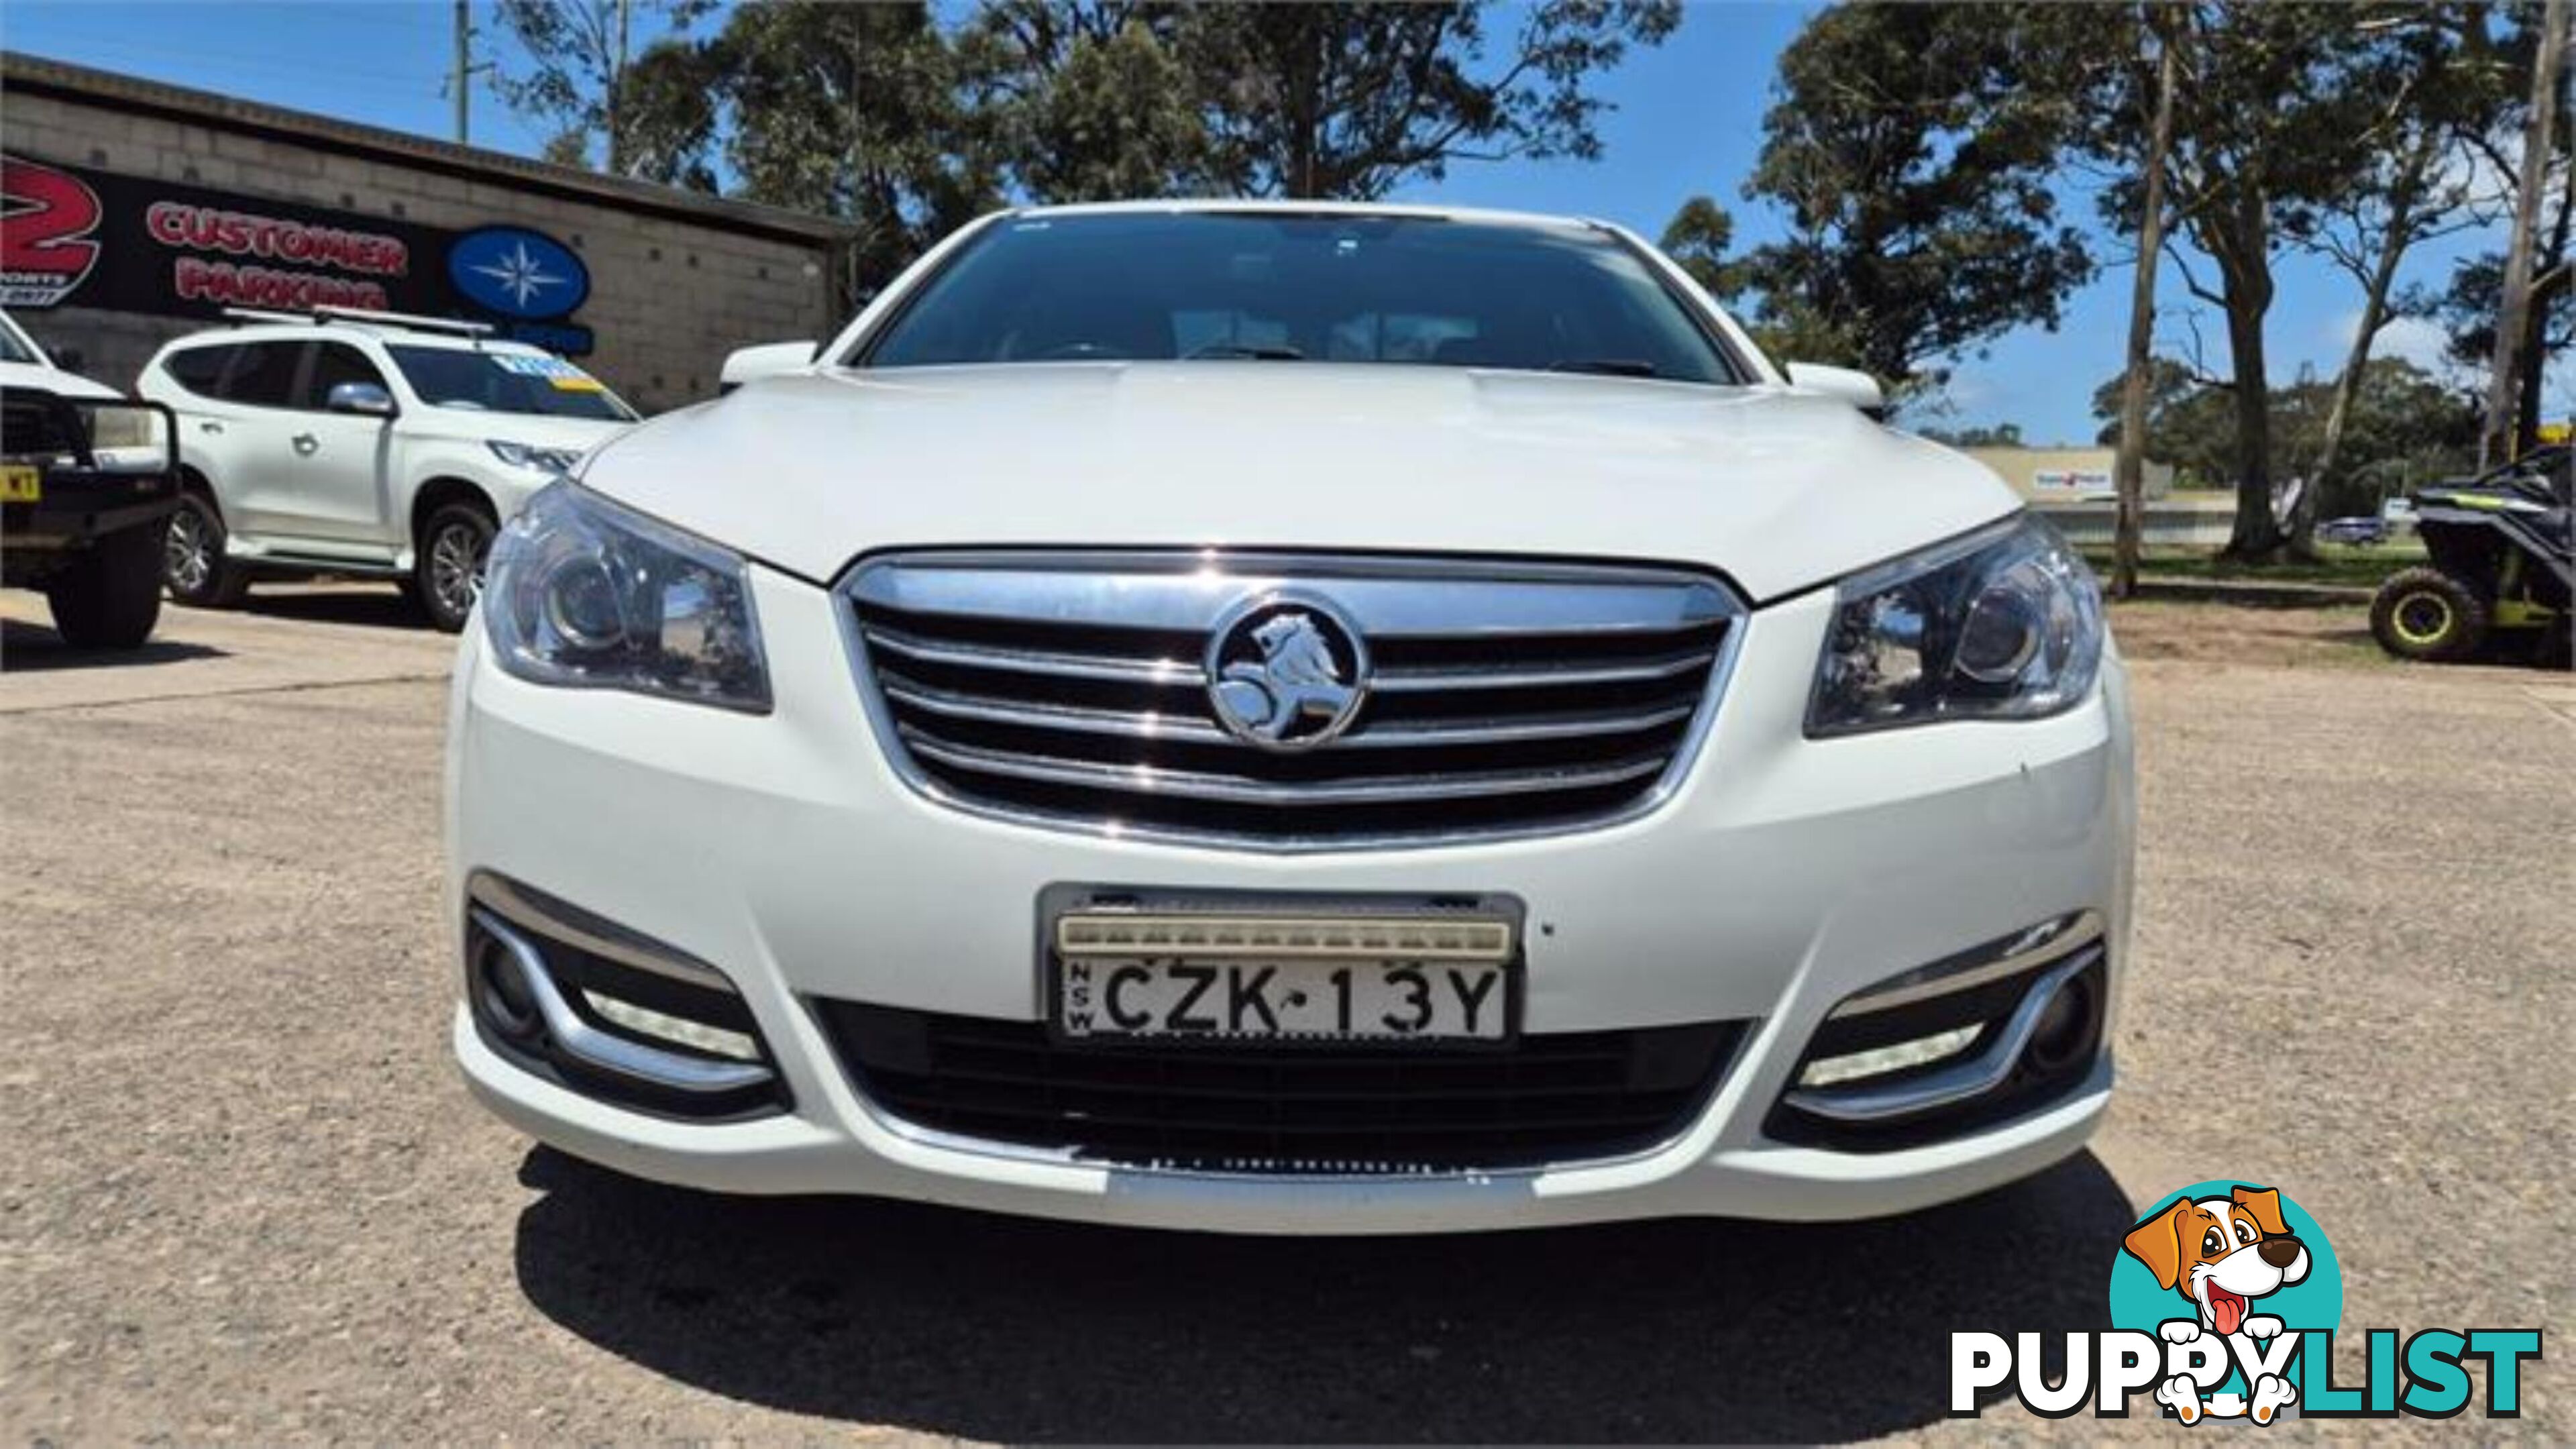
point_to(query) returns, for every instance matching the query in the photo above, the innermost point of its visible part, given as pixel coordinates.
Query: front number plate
(1310, 1000)
(20, 483)
(1254, 975)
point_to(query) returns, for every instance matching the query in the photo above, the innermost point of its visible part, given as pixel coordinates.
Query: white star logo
(521, 275)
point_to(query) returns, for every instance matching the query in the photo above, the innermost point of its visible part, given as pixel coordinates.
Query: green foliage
(2405, 425)
(668, 114)
(854, 111)
(2001, 435)
(578, 74)
(1914, 150)
(1091, 99)
(907, 126)
(1697, 238)
(1348, 100)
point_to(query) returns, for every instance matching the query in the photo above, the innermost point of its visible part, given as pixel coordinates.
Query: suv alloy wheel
(448, 572)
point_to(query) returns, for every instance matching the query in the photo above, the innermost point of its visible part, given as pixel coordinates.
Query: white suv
(1292, 718)
(362, 443)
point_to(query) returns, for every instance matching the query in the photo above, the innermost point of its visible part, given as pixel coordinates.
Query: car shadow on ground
(337, 602)
(1006, 1329)
(33, 647)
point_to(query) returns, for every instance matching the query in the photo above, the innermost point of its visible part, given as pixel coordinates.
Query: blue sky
(1689, 120)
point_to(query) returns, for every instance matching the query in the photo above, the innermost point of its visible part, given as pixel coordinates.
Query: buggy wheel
(2424, 613)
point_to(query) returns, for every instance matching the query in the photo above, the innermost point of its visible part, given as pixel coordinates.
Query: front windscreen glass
(506, 382)
(1426, 291)
(14, 347)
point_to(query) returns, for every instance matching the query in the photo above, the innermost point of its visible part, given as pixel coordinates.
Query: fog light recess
(609, 1013)
(1963, 1043)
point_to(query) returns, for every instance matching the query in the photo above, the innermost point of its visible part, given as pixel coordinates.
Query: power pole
(459, 80)
(2496, 442)
(616, 86)
(2129, 467)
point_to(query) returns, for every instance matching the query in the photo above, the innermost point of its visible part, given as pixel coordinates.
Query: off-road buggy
(2503, 549)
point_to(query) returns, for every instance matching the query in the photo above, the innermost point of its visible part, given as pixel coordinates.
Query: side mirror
(69, 359)
(1850, 384)
(363, 398)
(769, 359)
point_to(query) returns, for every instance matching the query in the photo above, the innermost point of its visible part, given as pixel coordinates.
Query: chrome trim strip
(1235, 790)
(953, 705)
(1419, 681)
(1036, 661)
(1726, 605)
(542, 913)
(1166, 671)
(605, 1051)
(1385, 597)
(1951, 1085)
(2006, 956)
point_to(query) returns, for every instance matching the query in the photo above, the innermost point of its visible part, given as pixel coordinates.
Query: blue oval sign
(517, 272)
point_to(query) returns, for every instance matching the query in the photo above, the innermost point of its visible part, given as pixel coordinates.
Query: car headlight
(528, 455)
(582, 592)
(2005, 623)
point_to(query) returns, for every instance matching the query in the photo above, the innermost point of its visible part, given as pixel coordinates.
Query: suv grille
(1502, 698)
(1217, 1107)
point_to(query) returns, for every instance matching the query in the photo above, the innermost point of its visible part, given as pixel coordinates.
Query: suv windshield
(14, 346)
(506, 382)
(1288, 287)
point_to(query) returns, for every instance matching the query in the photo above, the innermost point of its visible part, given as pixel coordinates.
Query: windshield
(507, 382)
(1286, 288)
(14, 346)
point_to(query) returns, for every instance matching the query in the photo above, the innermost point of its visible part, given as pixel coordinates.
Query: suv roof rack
(364, 316)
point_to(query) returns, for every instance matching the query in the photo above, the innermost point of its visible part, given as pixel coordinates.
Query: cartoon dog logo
(2221, 1254)
(1294, 680)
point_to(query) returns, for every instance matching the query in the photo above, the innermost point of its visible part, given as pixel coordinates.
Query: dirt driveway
(245, 1197)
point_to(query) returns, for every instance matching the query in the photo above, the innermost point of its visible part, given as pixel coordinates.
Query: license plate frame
(1488, 913)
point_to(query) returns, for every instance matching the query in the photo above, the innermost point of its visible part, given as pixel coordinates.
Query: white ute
(1292, 718)
(366, 443)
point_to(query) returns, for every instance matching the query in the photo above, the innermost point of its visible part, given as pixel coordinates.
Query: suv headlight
(528, 455)
(2005, 623)
(582, 592)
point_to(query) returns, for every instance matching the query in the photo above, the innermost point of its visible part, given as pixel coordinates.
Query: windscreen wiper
(1245, 350)
(1606, 366)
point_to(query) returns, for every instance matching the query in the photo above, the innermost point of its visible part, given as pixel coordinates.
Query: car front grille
(1503, 698)
(1285, 1109)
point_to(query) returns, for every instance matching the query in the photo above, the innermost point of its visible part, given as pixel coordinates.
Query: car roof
(1535, 221)
(346, 331)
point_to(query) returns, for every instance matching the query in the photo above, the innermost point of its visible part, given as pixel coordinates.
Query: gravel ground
(246, 1198)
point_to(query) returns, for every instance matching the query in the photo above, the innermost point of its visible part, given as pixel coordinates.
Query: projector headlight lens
(2003, 624)
(583, 593)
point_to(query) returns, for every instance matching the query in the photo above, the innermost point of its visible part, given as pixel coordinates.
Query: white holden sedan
(1292, 718)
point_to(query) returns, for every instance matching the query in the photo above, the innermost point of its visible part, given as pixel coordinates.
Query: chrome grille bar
(1506, 698)
(1189, 785)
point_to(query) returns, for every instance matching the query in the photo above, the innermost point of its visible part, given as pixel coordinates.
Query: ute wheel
(447, 567)
(111, 597)
(2425, 613)
(193, 566)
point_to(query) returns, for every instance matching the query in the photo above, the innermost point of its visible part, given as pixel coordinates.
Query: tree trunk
(2374, 315)
(2245, 266)
(2129, 473)
(2499, 442)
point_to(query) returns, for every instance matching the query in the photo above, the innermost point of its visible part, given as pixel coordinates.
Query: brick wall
(669, 296)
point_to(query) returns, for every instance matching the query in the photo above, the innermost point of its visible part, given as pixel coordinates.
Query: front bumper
(1782, 876)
